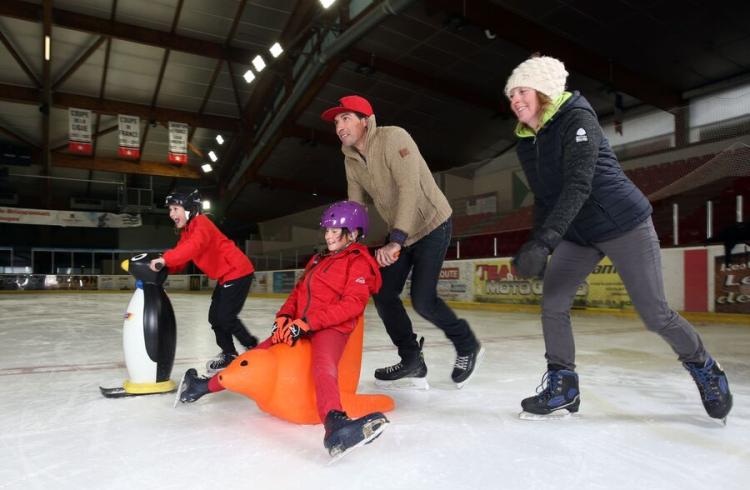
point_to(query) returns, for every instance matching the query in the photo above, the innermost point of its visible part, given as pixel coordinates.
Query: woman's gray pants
(637, 257)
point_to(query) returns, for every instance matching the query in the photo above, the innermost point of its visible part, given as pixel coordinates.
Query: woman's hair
(544, 104)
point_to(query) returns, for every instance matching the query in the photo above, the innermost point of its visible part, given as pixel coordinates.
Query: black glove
(531, 259)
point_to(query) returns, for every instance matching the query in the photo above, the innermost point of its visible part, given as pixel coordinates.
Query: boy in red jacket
(324, 305)
(219, 258)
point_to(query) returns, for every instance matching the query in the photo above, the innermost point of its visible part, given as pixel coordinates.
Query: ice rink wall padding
(696, 279)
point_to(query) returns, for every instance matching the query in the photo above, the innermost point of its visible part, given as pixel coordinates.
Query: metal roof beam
(128, 32)
(317, 73)
(24, 66)
(158, 169)
(80, 61)
(46, 88)
(26, 95)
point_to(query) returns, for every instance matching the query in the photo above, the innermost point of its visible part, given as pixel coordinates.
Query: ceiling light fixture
(219, 139)
(47, 48)
(207, 168)
(212, 156)
(259, 63)
(249, 76)
(275, 50)
(326, 3)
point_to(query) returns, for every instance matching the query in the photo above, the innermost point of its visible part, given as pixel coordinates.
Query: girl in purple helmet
(324, 305)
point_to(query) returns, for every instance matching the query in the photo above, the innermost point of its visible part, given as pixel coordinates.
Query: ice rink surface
(641, 424)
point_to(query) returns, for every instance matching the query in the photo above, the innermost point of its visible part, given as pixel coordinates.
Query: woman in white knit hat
(585, 208)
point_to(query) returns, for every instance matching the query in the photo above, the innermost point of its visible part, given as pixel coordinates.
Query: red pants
(327, 348)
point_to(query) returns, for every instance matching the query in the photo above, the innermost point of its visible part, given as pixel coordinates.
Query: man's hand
(388, 254)
(153, 264)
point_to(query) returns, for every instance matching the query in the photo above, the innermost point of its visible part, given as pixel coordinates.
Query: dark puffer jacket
(580, 190)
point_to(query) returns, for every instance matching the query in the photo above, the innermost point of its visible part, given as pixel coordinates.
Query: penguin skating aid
(149, 334)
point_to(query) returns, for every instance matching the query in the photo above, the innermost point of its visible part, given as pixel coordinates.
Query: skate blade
(480, 356)
(179, 390)
(403, 384)
(120, 392)
(336, 455)
(557, 415)
(116, 392)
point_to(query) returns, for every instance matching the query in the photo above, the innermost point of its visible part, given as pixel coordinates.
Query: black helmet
(190, 199)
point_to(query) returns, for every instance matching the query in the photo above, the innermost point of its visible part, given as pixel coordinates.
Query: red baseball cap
(350, 103)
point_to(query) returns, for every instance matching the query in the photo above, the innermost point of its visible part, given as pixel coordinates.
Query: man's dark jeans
(424, 259)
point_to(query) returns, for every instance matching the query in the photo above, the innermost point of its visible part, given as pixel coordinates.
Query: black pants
(425, 260)
(227, 301)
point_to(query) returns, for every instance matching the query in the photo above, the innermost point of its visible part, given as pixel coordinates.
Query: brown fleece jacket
(393, 173)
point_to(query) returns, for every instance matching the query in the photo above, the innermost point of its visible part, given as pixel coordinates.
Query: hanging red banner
(129, 130)
(178, 135)
(79, 131)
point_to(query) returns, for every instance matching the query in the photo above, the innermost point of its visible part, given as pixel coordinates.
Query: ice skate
(191, 387)
(410, 374)
(713, 386)
(221, 361)
(465, 366)
(557, 400)
(344, 434)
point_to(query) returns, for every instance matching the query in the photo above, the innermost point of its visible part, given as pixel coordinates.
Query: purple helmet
(345, 214)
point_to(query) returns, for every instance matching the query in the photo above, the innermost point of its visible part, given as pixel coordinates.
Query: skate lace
(551, 381)
(393, 368)
(462, 362)
(706, 381)
(220, 360)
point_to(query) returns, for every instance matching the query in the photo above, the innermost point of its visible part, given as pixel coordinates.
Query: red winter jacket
(334, 289)
(215, 254)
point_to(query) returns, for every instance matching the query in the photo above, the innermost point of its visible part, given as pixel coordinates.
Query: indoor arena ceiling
(434, 67)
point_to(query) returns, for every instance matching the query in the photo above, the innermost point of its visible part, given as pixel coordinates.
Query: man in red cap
(385, 163)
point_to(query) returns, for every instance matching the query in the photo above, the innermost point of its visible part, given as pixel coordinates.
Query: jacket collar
(523, 131)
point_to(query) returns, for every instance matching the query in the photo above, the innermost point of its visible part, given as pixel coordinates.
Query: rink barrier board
(696, 281)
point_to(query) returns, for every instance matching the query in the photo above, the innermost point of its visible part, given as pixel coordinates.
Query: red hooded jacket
(334, 289)
(215, 254)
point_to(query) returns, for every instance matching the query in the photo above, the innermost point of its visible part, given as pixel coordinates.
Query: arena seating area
(489, 234)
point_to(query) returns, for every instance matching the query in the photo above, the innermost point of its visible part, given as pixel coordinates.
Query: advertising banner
(117, 283)
(85, 219)
(732, 285)
(283, 281)
(605, 288)
(494, 282)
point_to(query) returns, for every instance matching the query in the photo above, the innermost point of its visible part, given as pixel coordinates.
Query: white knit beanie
(544, 74)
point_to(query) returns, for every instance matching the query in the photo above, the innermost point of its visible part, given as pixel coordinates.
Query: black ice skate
(560, 393)
(219, 362)
(191, 387)
(344, 434)
(465, 366)
(410, 374)
(713, 386)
